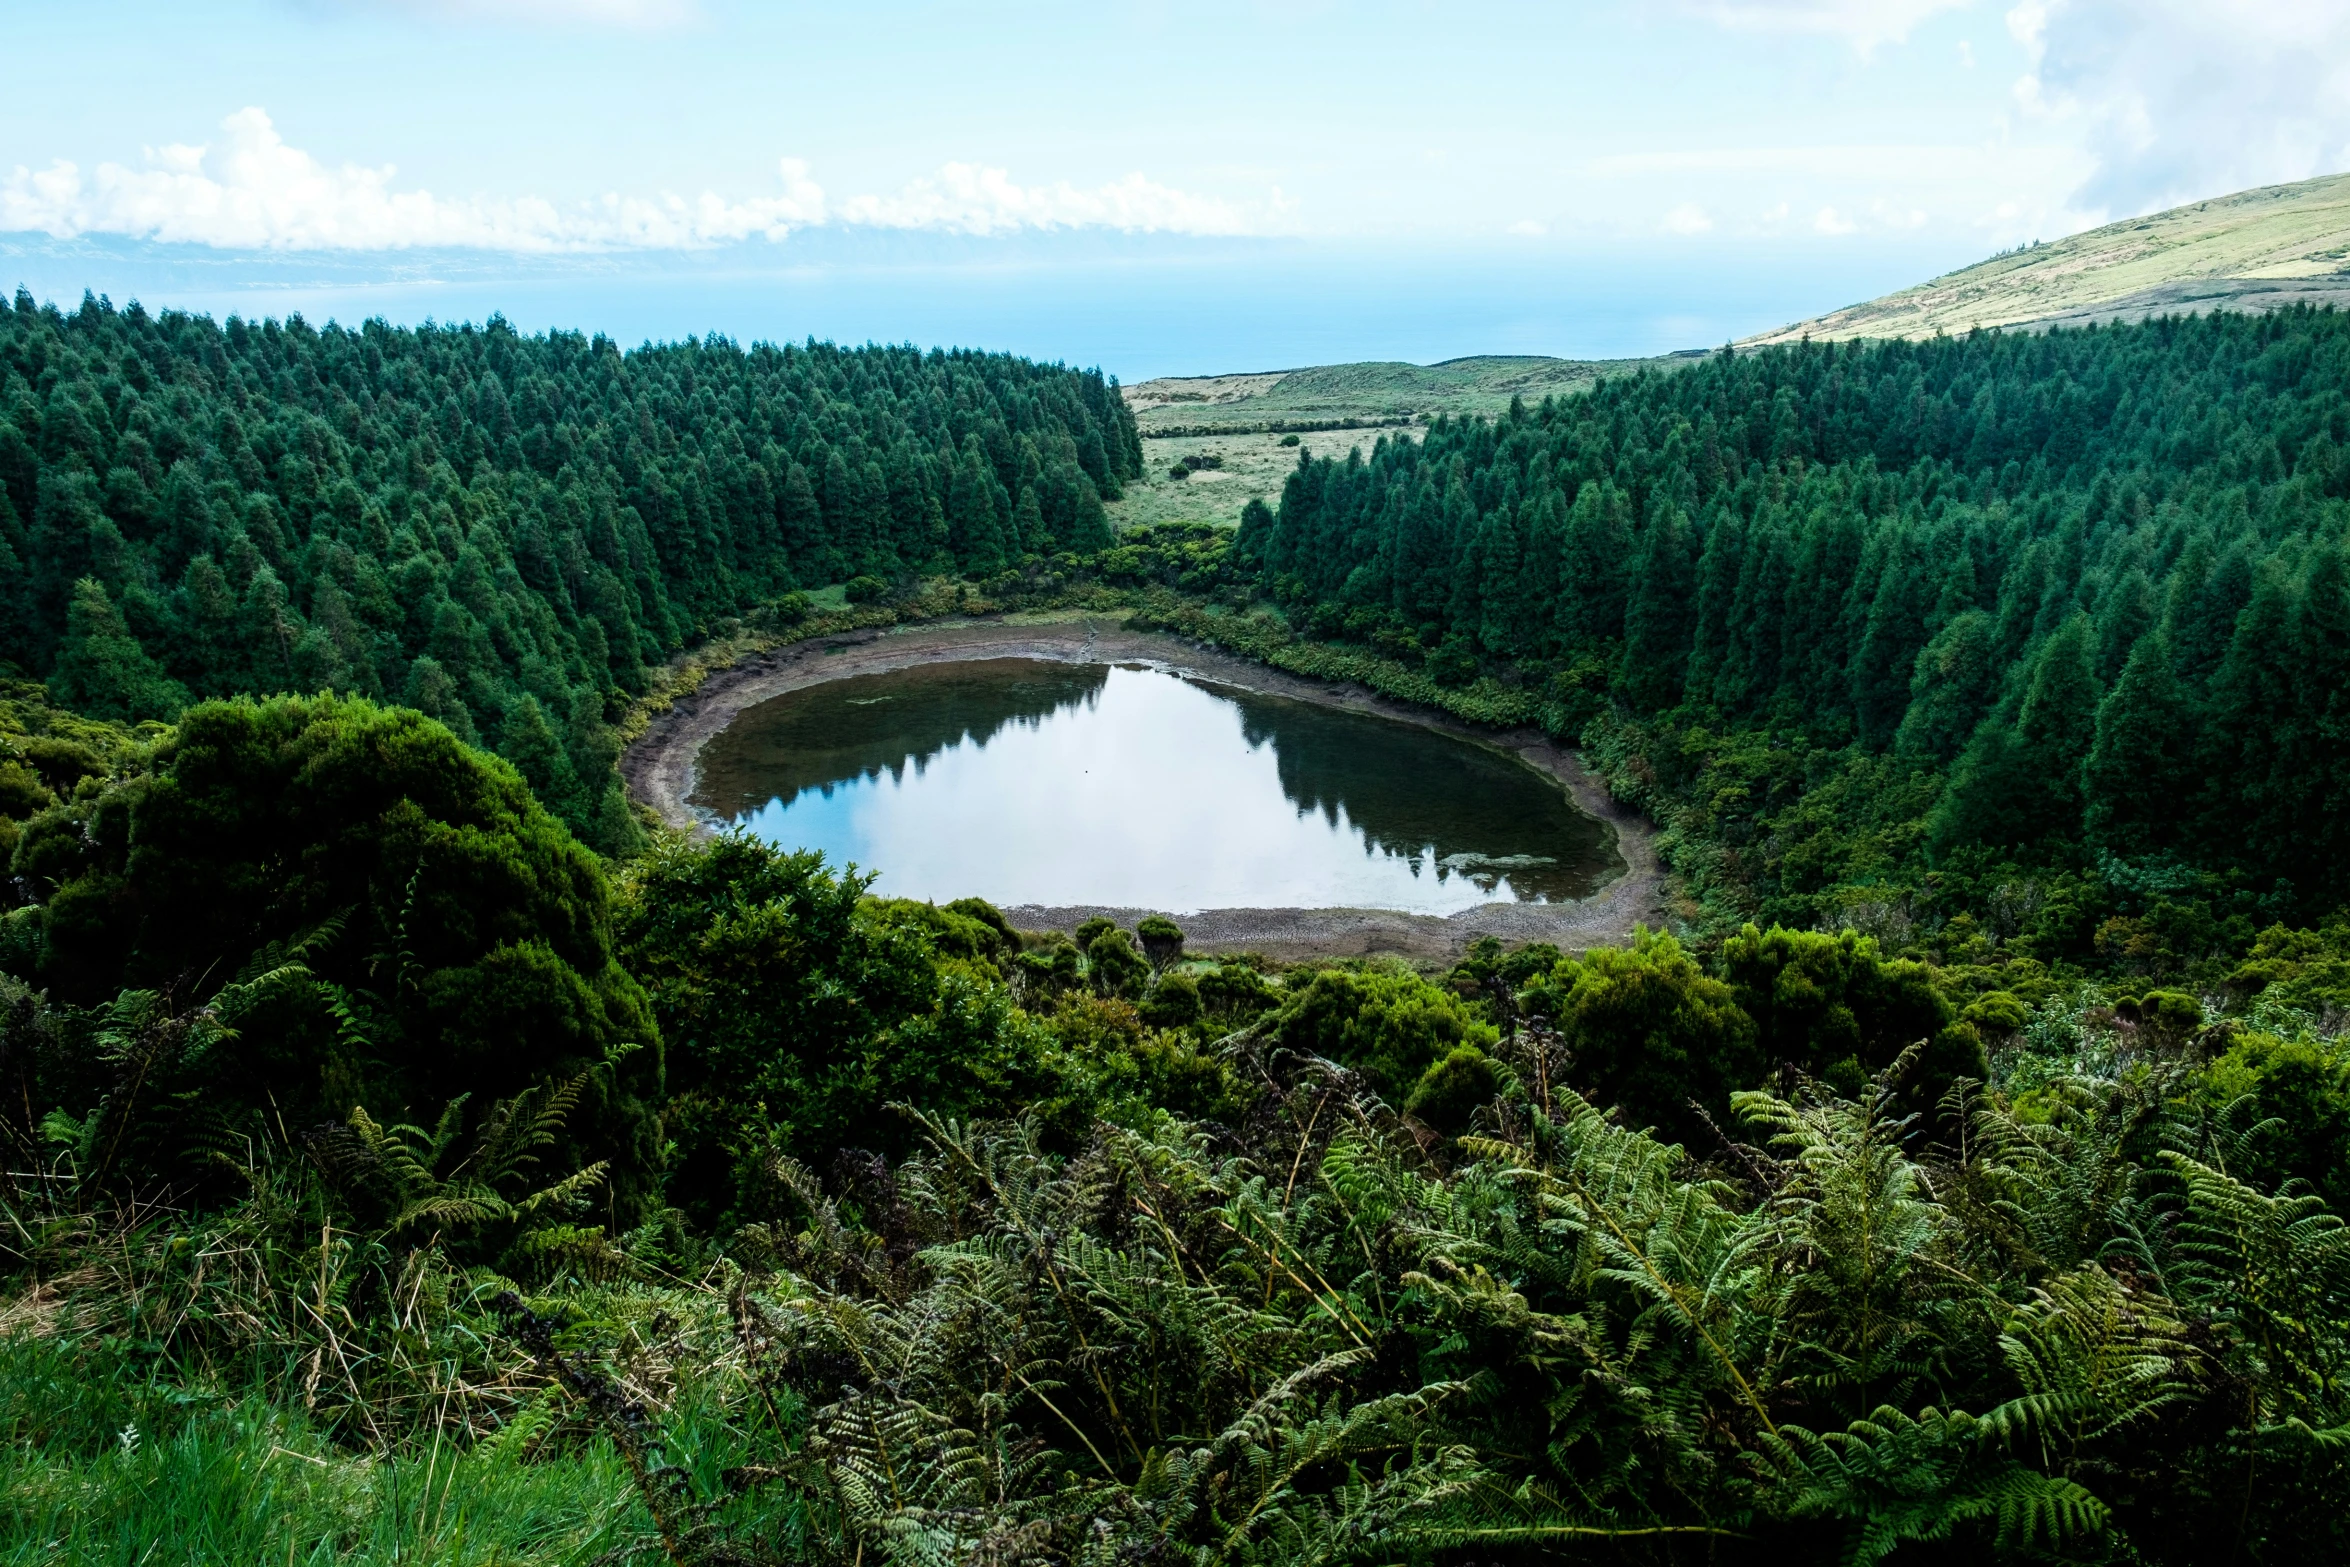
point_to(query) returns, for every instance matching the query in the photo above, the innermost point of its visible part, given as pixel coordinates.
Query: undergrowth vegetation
(840, 1228)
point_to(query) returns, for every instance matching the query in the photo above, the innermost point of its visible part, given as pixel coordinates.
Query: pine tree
(1026, 534)
(973, 528)
(1657, 621)
(2141, 779)
(1955, 678)
(2020, 781)
(101, 668)
(528, 741)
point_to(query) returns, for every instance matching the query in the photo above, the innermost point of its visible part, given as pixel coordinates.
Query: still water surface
(1025, 781)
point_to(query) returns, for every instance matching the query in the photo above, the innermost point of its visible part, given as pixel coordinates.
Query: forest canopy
(1903, 613)
(501, 531)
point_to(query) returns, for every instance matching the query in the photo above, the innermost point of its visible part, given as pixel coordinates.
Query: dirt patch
(659, 770)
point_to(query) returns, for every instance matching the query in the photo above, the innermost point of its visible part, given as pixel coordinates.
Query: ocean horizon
(1135, 306)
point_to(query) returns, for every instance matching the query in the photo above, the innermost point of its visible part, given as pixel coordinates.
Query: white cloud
(2178, 99)
(1863, 23)
(253, 191)
(1830, 221)
(1687, 218)
(1529, 228)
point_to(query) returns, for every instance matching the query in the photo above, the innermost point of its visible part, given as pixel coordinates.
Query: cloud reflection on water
(1031, 782)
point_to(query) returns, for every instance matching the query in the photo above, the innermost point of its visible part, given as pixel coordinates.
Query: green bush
(796, 1011)
(1388, 1024)
(1115, 968)
(1650, 1033)
(1452, 1091)
(1162, 939)
(1173, 1002)
(433, 931)
(1832, 1007)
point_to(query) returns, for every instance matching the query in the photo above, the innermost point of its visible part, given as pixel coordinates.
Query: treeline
(2075, 598)
(498, 530)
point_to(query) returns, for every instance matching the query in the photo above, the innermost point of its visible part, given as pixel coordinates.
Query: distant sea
(1137, 306)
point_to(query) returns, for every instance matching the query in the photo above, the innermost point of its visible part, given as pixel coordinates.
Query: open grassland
(1371, 393)
(1253, 465)
(2260, 249)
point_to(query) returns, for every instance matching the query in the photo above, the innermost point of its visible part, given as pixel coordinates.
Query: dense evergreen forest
(404, 1155)
(1906, 615)
(500, 531)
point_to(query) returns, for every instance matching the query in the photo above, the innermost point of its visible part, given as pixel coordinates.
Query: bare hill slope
(2256, 250)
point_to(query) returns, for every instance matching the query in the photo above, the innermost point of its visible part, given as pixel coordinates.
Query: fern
(1894, 1478)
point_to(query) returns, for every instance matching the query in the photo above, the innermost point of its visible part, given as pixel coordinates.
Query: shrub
(1454, 1089)
(1115, 967)
(797, 1010)
(1648, 1031)
(1388, 1024)
(1162, 940)
(788, 610)
(428, 930)
(1832, 1007)
(1173, 1002)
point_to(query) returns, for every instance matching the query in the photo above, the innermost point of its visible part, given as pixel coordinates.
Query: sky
(1155, 188)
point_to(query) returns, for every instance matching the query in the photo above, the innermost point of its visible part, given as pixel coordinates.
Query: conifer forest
(415, 1151)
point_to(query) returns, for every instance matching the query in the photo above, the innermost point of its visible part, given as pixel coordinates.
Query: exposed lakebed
(1052, 783)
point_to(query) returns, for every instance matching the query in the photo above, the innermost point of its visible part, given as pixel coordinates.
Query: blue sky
(1221, 184)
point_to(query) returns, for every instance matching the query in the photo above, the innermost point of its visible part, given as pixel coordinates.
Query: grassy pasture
(2259, 249)
(1254, 466)
(1376, 391)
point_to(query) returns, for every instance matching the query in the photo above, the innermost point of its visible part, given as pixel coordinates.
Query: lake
(1032, 782)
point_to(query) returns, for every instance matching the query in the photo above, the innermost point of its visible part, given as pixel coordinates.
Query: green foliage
(2297, 1091)
(1113, 965)
(793, 1009)
(1389, 1025)
(1219, 1301)
(1173, 1002)
(1831, 1007)
(1453, 1090)
(465, 519)
(1876, 628)
(325, 904)
(874, 1230)
(1161, 938)
(2305, 969)
(1648, 1031)
(101, 668)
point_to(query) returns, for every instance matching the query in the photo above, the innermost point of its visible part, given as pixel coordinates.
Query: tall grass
(103, 1464)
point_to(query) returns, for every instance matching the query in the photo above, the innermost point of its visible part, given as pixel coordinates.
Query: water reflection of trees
(1411, 789)
(866, 726)
(1407, 789)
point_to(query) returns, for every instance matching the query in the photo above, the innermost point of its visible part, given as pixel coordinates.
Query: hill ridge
(2261, 249)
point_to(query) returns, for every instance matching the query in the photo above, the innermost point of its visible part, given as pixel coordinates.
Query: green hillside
(2262, 249)
(1374, 392)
